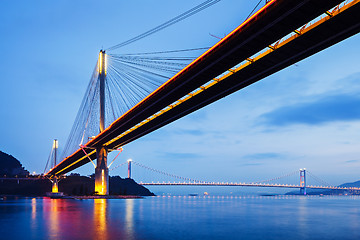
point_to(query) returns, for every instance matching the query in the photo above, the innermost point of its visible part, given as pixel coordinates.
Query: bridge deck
(246, 185)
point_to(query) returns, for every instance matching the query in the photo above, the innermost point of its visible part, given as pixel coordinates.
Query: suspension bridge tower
(303, 181)
(129, 168)
(101, 170)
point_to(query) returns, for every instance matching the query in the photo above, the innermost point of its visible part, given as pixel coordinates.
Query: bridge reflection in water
(81, 219)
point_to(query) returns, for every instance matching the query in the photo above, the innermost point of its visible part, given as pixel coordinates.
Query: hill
(11, 167)
(71, 186)
(353, 184)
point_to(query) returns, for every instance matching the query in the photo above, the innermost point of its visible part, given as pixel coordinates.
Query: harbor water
(182, 217)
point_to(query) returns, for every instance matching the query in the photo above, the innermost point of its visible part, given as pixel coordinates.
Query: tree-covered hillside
(10, 166)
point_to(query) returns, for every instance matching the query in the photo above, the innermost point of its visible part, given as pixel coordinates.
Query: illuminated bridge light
(102, 62)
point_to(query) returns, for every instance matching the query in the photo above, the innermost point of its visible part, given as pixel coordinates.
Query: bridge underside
(276, 20)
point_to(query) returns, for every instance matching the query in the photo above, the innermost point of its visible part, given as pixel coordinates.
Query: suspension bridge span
(280, 34)
(184, 181)
(235, 184)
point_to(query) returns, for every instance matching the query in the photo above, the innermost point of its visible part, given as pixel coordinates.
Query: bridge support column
(101, 172)
(55, 185)
(303, 181)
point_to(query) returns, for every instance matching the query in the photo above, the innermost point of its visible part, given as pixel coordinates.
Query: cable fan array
(50, 162)
(129, 79)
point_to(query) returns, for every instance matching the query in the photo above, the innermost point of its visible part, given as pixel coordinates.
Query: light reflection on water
(53, 210)
(100, 219)
(129, 217)
(182, 217)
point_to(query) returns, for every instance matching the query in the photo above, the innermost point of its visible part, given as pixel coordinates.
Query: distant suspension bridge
(184, 181)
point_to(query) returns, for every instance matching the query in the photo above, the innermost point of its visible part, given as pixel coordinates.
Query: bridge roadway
(175, 98)
(245, 185)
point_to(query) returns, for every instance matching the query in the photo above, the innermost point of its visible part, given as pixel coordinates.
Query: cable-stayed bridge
(141, 92)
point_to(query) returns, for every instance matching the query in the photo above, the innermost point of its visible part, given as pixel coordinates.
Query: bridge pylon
(303, 181)
(102, 170)
(129, 168)
(55, 182)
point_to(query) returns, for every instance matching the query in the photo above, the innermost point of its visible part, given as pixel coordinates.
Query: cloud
(251, 164)
(324, 110)
(261, 156)
(258, 159)
(193, 132)
(178, 156)
(351, 161)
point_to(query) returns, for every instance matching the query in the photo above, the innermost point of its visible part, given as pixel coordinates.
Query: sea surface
(182, 217)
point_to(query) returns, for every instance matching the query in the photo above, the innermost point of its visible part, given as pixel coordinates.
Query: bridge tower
(101, 170)
(303, 181)
(129, 168)
(55, 182)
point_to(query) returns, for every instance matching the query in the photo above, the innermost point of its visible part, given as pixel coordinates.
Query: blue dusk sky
(306, 116)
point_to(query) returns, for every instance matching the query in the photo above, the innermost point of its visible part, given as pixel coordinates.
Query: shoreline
(104, 197)
(75, 197)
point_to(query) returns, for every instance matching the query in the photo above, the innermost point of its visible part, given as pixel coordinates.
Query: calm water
(182, 218)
